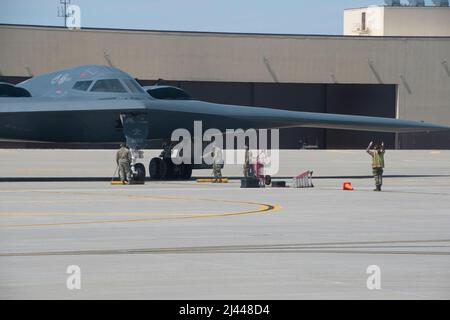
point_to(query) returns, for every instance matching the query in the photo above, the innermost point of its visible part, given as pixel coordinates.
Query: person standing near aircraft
(123, 159)
(217, 163)
(377, 154)
(247, 162)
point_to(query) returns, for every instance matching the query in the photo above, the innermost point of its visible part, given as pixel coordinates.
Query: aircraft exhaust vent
(440, 3)
(417, 3)
(392, 3)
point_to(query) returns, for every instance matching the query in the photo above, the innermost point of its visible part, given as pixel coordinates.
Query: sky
(252, 16)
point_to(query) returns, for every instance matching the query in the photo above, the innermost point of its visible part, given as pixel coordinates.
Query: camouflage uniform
(377, 165)
(247, 164)
(217, 163)
(123, 159)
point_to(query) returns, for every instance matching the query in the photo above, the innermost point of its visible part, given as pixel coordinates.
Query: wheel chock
(118, 182)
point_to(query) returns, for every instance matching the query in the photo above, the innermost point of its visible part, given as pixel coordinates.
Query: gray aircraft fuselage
(69, 106)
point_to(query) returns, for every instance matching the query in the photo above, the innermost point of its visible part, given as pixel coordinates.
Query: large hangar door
(295, 97)
(220, 92)
(358, 99)
(377, 100)
(288, 96)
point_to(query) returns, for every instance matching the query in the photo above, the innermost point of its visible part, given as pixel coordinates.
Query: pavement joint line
(286, 248)
(285, 189)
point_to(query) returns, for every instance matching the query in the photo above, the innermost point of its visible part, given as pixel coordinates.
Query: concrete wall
(419, 67)
(398, 21)
(353, 25)
(416, 21)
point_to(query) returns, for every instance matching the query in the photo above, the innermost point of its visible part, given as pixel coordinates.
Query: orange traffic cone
(347, 186)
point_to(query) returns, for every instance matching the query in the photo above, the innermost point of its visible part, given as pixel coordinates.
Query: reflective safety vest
(377, 159)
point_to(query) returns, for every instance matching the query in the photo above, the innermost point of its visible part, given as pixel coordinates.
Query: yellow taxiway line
(262, 208)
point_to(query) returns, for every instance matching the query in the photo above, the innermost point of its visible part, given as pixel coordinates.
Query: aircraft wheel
(166, 169)
(154, 168)
(140, 172)
(186, 171)
(177, 171)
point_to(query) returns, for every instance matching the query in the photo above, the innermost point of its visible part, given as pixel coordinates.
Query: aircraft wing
(348, 122)
(31, 105)
(233, 116)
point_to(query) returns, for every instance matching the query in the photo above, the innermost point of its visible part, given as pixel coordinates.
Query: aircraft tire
(166, 169)
(153, 168)
(186, 172)
(140, 172)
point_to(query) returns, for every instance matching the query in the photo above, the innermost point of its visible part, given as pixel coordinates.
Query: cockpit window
(108, 85)
(133, 86)
(168, 93)
(82, 85)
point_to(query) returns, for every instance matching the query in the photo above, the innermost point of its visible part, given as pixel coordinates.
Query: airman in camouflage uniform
(123, 159)
(217, 163)
(377, 154)
(247, 162)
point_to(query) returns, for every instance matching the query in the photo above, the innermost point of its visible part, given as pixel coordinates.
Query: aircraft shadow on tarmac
(100, 179)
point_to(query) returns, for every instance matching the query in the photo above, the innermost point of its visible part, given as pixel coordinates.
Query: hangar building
(398, 20)
(389, 76)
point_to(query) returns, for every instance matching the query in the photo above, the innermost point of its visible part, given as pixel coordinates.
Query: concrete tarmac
(189, 240)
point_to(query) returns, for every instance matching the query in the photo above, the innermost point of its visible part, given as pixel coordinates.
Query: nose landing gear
(135, 129)
(139, 172)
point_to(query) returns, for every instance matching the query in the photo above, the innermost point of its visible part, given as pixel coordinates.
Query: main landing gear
(159, 168)
(165, 169)
(162, 167)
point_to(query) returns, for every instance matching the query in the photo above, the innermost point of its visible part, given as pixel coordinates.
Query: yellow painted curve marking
(262, 208)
